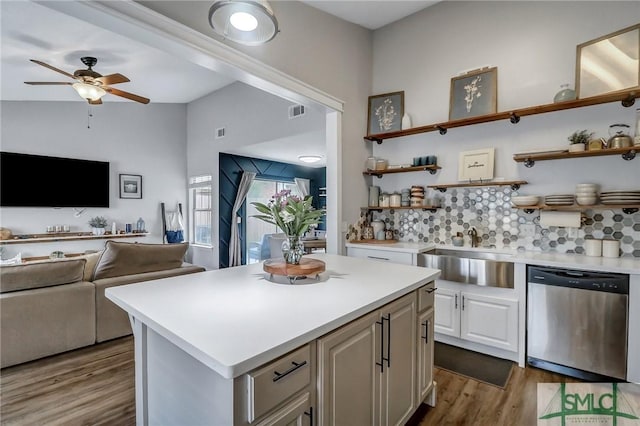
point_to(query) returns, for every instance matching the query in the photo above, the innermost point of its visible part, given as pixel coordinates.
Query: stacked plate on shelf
(620, 197)
(559, 200)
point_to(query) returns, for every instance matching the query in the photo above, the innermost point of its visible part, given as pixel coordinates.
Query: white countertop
(625, 265)
(399, 246)
(233, 320)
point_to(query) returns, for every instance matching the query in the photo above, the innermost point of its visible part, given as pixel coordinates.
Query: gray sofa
(55, 306)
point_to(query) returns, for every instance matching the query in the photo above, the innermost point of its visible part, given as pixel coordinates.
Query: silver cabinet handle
(456, 301)
(430, 290)
(463, 303)
(379, 258)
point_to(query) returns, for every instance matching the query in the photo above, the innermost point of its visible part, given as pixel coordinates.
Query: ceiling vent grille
(296, 111)
(220, 133)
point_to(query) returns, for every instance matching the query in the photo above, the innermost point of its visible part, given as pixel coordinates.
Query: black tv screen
(40, 181)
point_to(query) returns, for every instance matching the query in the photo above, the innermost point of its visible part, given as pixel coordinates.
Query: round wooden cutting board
(306, 267)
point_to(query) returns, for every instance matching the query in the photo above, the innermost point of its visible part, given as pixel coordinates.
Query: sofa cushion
(37, 275)
(120, 259)
(111, 320)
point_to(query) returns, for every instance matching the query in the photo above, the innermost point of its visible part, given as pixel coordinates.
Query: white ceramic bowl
(586, 187)
(586, 193)
(525, 200)
(586, 201)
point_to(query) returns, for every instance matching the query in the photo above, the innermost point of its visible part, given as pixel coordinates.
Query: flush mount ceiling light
(248, 22)
(309, 158)
(89, 92)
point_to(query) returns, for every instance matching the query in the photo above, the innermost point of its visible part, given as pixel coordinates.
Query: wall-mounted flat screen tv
(39, 181)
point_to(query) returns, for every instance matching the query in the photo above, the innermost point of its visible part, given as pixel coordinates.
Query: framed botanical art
(474, 93)
(609, 63)
(476, 165)
(130, 186)
(385, 113)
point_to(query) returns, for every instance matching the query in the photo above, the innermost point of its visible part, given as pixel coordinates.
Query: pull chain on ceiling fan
(89, 84)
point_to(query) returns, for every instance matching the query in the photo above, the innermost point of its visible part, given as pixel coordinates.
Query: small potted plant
(578, 140)
(98, 225)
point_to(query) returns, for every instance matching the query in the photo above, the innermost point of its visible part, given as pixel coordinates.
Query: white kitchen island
(228, 347)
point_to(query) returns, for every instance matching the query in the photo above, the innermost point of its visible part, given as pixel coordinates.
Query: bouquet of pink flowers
(292, 214)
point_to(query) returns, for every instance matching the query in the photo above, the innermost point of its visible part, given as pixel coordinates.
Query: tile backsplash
(503, 227)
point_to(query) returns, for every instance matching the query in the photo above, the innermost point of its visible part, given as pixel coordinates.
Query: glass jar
(384, 200)
(381, 164)
(370, 164)
(565, 94)
(395, 200)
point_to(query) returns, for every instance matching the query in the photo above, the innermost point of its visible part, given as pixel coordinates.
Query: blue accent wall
(231, 168)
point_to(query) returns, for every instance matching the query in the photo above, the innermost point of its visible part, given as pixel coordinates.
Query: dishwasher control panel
(587, 280)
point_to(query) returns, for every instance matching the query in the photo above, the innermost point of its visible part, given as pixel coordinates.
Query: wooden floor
(95, 386)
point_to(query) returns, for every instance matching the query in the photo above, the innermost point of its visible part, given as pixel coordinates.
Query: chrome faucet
(475, 240)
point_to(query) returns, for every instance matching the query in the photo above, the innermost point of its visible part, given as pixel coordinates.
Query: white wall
(249, 116)
(148, 140)
(533, 44)
(321, 50)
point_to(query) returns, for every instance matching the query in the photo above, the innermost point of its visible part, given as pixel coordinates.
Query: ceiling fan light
(89, 91)
(309, 158)
(248, 22)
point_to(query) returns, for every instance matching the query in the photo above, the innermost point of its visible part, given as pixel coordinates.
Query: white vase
(406, 122)
(98, 231)
(576, 147)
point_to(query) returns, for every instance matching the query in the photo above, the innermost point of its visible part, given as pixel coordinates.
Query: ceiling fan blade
(52, 68)
(96, 102)
(127, 95)
(48, 83)
(112, 79)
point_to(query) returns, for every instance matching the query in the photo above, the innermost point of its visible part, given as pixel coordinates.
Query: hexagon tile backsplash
(501, 226)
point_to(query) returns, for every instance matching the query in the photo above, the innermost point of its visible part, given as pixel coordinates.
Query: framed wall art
(130, 186)
(474, 93)
(609, 63)
(476, 165)
(385, 113)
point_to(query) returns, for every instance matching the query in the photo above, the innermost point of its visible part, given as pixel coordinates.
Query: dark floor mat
(484, 368)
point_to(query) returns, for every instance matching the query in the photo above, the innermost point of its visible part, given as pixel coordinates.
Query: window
(200, 213)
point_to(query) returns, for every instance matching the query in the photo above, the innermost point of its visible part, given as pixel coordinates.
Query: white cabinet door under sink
(490, 320)
(447, 315)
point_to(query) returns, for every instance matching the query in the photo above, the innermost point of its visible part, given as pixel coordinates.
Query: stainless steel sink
(470, 267)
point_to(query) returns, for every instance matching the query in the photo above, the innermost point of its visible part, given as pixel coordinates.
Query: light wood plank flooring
(95, 386)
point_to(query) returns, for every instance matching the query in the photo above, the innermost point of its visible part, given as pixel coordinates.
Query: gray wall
(321, 50)
(148, 140)
(533, 44)
(249, 116)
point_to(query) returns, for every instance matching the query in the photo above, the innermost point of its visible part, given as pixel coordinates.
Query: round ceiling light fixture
(248, 22)
(309, 158)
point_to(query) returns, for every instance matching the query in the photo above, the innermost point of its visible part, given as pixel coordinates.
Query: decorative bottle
(140, 225)
(406, 122)
(113, 228)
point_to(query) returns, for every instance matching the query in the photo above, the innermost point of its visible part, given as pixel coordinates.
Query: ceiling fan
(90, 85)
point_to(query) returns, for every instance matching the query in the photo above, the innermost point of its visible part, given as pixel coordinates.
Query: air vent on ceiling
(296, 111)
(220, 133)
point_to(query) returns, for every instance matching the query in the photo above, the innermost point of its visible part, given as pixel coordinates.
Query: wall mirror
(609, 63)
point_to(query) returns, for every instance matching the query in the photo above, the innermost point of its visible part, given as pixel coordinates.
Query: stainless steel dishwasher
(577, 322)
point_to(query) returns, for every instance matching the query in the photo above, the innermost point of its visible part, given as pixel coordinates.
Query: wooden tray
(373, 241)
(307, 267)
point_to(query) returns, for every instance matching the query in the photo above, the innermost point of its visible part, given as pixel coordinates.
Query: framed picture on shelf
(476, 165)
(609, 63)
(130, 186)
(385, 113)
(474, 93)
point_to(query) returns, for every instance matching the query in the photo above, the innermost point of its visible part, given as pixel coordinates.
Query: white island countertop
(233, 320)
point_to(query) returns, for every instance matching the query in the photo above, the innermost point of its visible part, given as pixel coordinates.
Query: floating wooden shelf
(71, 236)
(626, 97)
(626, 208)
(514, 184)
(529, 159)
(378, 173)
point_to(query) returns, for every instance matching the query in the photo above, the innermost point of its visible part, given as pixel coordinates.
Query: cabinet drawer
(381, 255)
(426, 295)
(278, 381)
